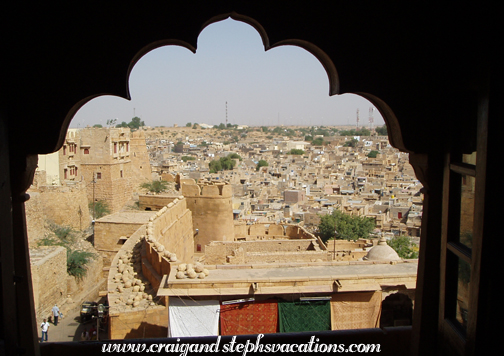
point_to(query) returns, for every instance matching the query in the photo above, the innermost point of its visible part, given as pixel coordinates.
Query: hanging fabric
(193, 317)
(249, 318)
(356, 310)
(304, 316)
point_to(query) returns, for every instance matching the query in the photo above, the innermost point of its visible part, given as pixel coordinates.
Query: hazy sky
(285, 85)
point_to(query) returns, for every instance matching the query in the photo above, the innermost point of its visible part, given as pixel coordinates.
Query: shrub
(101, 208)
(77, 261)
(66, 237)
(404, 247)
(156, 186)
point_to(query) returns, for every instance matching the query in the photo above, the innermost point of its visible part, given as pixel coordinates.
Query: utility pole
(93, 222)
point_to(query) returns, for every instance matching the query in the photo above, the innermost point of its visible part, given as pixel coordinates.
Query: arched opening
(332, 78)
(429, 66)
(397, 310)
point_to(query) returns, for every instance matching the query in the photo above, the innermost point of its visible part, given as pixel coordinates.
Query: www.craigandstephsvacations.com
(233, 347)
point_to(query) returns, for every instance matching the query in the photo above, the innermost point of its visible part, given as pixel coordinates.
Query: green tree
(101, 208)
(224, 163)
(215, 166)
(188, 158)
(234, 156)
(404, 247)
(99, 126)
(296, 151)
(261, 163)
(188, 124)
(343, 226)
(319, 141)
(372, 154)
(382, 130)
(156, 186)
(352, 143)
(134, 124)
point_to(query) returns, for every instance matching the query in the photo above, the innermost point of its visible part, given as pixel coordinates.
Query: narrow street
(70, 329)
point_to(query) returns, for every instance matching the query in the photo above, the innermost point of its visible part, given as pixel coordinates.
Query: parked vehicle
(87, 311)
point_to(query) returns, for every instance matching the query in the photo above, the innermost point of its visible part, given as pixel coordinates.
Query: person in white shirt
(45, 328)
(56, 312)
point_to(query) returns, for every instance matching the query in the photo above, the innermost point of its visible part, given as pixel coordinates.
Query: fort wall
(113, 230)
(212, 212)
(65, 205)
(154, 202)
(49, 278)
(134, 310)
(137, 268)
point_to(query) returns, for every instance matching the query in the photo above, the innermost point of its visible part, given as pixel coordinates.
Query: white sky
(285, 85)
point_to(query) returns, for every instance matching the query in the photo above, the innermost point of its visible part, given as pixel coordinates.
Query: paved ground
(69, 329)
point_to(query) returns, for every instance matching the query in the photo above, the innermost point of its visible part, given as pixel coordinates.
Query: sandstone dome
(382, 252)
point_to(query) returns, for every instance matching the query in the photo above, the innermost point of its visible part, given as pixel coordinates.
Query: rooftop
(317, 277)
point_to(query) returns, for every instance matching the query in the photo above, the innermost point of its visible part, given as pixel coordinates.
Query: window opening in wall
(317, 154)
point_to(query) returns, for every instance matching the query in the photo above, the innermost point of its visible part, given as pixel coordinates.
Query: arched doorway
(397, 310)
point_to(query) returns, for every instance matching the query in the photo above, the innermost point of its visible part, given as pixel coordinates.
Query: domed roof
(382, 252)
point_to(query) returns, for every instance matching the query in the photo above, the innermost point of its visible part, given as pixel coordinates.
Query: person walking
(56, 312)
(45, 327)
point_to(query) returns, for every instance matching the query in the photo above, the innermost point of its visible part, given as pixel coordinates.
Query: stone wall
(49, 278)
(135, 311)
(172, 226)
(264, 251)
(150, 323)
(113, 230)
(212, 212)
(64, 205)
(154, 202)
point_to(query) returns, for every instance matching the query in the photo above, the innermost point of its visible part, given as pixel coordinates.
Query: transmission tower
(371, 119)
(357, 120)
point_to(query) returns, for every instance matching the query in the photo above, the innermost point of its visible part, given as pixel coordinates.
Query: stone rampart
(49, 278)
(63, 205)
(154, 202)
(136, 272)
(134, 309)
(212, 212)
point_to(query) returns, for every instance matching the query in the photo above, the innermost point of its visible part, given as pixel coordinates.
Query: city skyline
(230, 76)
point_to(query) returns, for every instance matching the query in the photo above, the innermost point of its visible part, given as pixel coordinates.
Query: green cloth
(304, 316)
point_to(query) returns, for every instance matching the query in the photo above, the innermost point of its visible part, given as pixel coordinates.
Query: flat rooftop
(128, 217)
(319, 277)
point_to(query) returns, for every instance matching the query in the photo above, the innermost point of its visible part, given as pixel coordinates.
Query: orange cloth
(249, 318)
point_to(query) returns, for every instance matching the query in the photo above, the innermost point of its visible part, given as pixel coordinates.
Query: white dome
(382, 252)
